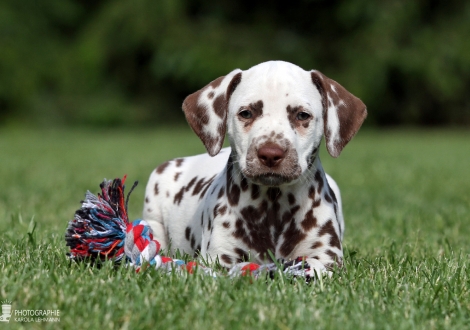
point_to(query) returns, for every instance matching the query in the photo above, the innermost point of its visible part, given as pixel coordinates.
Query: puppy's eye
(303, 116)
(245, 114)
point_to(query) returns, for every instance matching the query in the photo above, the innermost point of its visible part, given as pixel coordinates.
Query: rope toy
(101, 231)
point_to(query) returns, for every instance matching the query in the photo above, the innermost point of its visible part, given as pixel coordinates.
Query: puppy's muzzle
(271, 155)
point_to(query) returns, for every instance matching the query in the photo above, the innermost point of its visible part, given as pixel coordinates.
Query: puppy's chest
(265, 219)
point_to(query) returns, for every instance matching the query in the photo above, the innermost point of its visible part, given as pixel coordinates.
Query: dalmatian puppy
(268, 192)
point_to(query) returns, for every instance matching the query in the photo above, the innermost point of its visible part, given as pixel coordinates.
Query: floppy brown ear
(343, 113)
(206, 110)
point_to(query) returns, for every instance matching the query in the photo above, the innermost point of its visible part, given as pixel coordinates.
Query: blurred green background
(131, 63)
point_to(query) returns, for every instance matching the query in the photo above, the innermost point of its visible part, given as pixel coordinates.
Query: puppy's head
(275, 115)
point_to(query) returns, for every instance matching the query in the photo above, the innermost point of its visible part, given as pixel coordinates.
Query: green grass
(406, 197)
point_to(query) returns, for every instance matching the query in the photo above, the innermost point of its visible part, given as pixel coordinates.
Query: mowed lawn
(406, 200)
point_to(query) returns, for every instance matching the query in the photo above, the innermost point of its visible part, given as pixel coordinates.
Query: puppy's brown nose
(271, 155)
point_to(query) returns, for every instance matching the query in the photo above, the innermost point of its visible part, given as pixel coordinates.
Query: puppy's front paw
(317, 269)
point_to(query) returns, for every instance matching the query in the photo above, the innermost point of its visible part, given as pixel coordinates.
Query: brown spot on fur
(317, 245)
(149, 210)
(312, 157)
(210, 95)
(328, 229)
(221, 193)
(180, 194)
(179, 161)
(233, 190)
(288, 216)
(328, 197)
(207, 185)
(225, 258)
(216, 210)
(274, 193)
(240, 231)
(242, 255)
(244, 184)
(190, 184)
(233, 85)
(334, 241)
(250, 213)
(198, 187)
(291, 198)
(226, 224)
(319, 179)
(209, 224)
(187, 233)
(155, 189)
(210, 142)
(162, 167)
(146, 200)
(295, 123)
(336, 258)
(177, 175)
(222, 210)
(167, 193)
(256, 109)
(216, 83)
(255, 192)
(311, 192)
(333, 196)
(292, 237)
(309, 221)
(220, 106)
(193, 241)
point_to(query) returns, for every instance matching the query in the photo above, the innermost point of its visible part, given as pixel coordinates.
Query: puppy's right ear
(206, 110)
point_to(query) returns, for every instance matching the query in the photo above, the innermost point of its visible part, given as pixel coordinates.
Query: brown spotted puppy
(268, 192)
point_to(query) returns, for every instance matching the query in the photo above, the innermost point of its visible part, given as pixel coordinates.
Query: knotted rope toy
(101, 231)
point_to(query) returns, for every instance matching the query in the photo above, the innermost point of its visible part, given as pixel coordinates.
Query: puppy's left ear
(206, 110)
(343, 113)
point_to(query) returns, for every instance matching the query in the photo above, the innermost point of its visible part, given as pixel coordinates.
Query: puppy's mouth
(271, 179)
